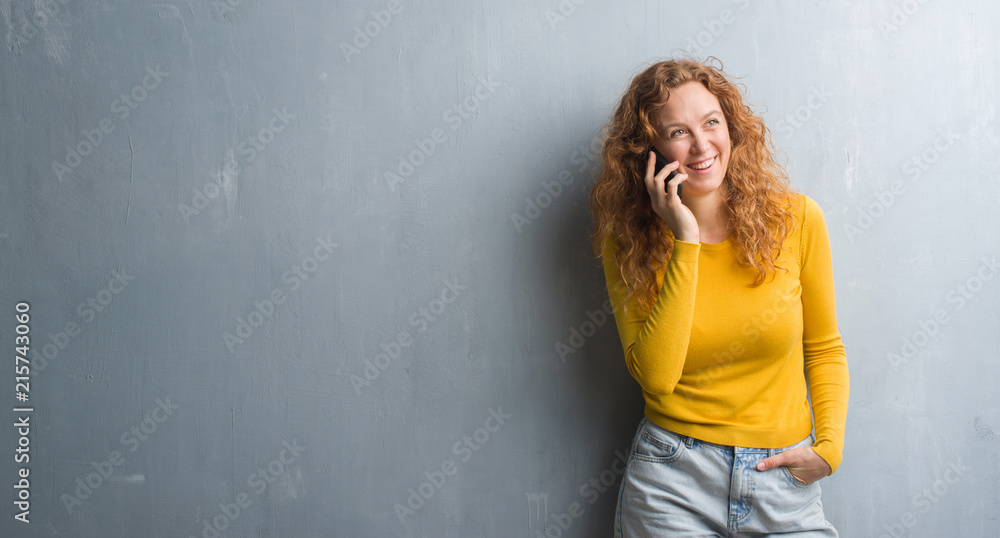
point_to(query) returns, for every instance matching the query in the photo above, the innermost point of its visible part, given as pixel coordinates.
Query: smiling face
(693, 131)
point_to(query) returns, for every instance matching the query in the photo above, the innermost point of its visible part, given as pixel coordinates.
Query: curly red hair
(755, 189)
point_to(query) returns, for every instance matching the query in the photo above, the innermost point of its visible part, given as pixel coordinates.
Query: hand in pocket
(803, 463)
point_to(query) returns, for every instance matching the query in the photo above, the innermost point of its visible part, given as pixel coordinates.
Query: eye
(674, 133)
(713, 120)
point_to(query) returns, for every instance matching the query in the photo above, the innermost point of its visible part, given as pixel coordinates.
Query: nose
(698, 142)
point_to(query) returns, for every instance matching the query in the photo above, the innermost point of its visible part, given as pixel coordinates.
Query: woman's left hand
(804, 463)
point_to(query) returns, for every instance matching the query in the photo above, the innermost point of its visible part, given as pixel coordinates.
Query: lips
(702, 165)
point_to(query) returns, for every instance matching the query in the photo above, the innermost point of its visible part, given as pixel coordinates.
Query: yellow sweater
(728, 364)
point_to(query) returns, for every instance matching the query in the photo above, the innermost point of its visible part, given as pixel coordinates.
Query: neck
(711, 214)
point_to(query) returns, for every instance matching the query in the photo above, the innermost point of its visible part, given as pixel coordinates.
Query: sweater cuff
(685, 252)
(829, 453)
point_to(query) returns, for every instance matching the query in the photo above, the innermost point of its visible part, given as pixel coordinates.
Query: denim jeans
(675, 485)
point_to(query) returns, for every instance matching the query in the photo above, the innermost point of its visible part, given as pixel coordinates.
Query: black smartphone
(660, 163)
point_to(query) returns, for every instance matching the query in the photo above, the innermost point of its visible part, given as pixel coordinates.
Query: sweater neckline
(719, 246)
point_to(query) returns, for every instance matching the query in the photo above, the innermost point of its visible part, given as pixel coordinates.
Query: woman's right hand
(667, 204)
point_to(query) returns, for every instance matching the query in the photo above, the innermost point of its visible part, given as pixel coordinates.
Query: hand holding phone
(674, 214)
(660, 163)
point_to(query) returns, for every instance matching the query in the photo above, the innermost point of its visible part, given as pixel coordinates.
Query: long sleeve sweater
(730, 364)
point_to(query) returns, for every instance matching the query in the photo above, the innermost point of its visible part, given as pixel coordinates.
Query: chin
(702, 189)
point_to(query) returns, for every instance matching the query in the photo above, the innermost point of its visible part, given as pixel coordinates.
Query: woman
(724, 302)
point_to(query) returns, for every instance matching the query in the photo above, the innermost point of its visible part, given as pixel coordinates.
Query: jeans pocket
(791, 478)
(657, 445)
(807, 442)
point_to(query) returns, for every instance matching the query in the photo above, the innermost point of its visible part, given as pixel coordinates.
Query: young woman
(724, 302)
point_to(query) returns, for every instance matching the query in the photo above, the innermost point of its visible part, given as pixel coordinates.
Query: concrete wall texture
(312, 268)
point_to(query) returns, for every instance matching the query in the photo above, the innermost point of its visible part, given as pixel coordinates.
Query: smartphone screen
(660, 163)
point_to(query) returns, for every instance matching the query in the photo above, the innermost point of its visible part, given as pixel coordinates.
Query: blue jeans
(675, 485)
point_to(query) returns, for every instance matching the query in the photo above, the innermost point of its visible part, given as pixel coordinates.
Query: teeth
(704, 165)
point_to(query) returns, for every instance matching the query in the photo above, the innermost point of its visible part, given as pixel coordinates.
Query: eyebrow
(703, 118)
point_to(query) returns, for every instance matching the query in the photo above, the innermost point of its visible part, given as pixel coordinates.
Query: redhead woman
(724, 302)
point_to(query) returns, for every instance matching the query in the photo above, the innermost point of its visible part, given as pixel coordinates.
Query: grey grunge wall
(312, 268)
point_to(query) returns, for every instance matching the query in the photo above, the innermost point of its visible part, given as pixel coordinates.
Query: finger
(673, 174)
(672, 166)
(665, 174)
(650, 168)
(776, 460)
(672, 186)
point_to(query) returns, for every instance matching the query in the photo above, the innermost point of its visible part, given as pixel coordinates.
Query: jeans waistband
(691, 441)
